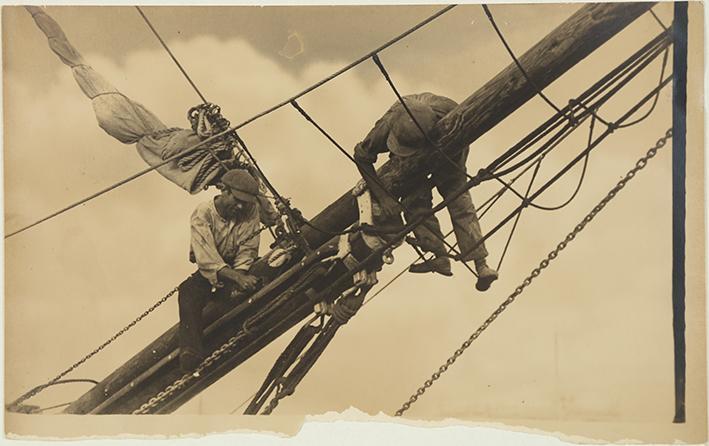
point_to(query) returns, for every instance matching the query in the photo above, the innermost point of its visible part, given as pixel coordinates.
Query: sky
(590, 341)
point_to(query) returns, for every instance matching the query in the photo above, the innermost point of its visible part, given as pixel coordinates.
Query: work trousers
(193, 295)
(448, 178)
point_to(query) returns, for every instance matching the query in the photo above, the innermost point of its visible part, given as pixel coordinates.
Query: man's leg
(449, 180)
(193, 295)
(428, 234)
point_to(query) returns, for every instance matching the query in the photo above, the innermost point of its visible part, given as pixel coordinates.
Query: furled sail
(130, 122)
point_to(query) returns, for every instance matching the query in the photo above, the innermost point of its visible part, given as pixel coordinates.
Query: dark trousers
(193, 295)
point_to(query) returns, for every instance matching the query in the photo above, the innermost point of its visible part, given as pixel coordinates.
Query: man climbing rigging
(398, 134)
(224, 243)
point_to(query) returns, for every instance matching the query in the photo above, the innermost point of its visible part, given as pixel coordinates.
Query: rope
(576, 190)
(539, 91)
(436, 147)
(581, 177)
(657, 97)
(519, 214)
(657, 19)
(174, 59)
(484, 208)
(242, 124)
(58, 378)
(629, 72)
(184, 73)
(623, 69)
(572, 162)
(373, 178)
(483, 175)
(640, 164)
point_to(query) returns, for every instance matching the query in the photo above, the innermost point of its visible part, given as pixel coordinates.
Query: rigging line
(581, 178)
(184, 73)
(519, 214)
(174, 59)
(29, 394)
(438, 149)
(44, 409)
(613, 83)
(657, 97)
(589, 94)
(657, 19)
(590, 216)
(243, 404)
(483, 175)
(599, 102)
(519, 65)
(283, 201)
(573, 162)
(348, 67)
(622, 66)
(377, 180)
(489, 203)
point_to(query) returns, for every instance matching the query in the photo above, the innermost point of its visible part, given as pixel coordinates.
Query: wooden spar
(586, 30)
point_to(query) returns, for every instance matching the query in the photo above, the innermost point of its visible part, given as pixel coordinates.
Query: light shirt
(216, 242)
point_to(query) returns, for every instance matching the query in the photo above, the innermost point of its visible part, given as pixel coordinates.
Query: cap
(242, 184)
(405, 137)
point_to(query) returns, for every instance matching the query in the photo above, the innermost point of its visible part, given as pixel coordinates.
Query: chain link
(640, 164)
(187, 377)
(38, 389)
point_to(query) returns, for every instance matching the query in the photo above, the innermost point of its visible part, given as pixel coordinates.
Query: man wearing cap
(224, 244)
(397, 134)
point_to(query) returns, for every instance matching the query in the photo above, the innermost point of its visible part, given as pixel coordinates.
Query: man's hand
(245, 281)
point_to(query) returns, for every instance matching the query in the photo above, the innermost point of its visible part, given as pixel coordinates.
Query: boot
(486, 275)
(440, 265)
(189, 360)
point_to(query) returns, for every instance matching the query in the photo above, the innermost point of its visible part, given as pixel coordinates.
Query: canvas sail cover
(129, 121)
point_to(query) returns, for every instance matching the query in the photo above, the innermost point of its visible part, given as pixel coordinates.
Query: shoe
(486, 276)
(190, 360)
(440, 265)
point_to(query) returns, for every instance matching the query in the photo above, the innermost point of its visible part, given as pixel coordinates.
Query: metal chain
(38, 389)
(152, 308)
(187, 377)
(640, 164)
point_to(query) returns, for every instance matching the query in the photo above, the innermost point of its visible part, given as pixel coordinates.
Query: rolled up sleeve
(204, 248)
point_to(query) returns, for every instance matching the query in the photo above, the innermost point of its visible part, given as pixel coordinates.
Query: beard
(240, 215)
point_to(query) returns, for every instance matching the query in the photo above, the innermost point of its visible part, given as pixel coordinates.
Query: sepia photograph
(231, 218)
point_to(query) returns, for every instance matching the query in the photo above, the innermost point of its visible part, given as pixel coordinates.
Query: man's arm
(211, 264)
(365, 155)
(249, 241)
